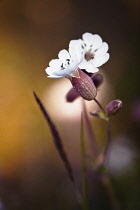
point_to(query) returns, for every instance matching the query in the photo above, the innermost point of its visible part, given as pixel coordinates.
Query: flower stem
(105, 178)
(84, 174)
(97, 102)
(89, 132)
(108, 143)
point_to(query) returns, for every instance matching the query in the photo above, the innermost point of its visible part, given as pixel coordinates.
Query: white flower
(67, 63)
(87, 53)
(94, 51)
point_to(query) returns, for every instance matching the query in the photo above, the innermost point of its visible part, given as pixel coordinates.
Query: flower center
(65, 64)
(89, 56)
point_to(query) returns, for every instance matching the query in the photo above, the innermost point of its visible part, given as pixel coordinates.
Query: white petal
(55, 77)
(87, 38)
(72, 51)
(83, 64)
(53, 73)
(72, 67)
(56, 63)
(63, 55)
(88, 66)
(75, 47)
(49, 70)
(92, 69)
(76, 51)
(100, 60)
(61, 73)
(77, 57)
(102, 50)
(73, 43)
(97, 42)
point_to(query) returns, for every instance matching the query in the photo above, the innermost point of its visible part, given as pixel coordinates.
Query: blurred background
(32, 32)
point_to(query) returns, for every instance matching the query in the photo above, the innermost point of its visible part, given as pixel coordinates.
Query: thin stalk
(108, 143)
(108, 134)
(89, 132)
(105, 179)
(83, 162)
(97, 102)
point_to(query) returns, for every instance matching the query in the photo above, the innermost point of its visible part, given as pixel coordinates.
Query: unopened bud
(84, 86)
(73, 94)
(97, 80)
(113, 107)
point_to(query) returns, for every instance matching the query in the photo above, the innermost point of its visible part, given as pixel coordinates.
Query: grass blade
(56, 138)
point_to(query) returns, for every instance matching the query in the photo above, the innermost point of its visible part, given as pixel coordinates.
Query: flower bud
(73, 94)
(84, 86)
(97, 79)
(113, 107)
